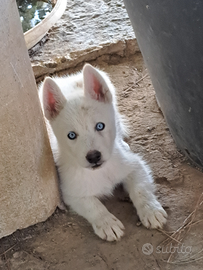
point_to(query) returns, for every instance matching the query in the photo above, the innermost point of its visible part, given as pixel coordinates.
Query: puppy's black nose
(93, 156)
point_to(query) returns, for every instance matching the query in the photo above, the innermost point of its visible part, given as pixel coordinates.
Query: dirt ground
(66, 241)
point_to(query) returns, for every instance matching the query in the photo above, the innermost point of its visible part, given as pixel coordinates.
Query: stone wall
(87, 30)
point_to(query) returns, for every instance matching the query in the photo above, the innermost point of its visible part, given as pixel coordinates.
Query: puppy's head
(82, 115)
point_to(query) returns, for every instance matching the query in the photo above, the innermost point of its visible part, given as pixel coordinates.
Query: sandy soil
(66, 241)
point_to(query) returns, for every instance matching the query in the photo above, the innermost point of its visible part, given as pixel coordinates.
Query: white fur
(84, 100)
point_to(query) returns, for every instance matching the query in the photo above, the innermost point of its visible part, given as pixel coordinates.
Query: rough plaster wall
(28, 186)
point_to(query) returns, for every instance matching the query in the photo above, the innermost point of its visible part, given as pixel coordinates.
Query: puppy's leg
(141, 189)
(105, 225)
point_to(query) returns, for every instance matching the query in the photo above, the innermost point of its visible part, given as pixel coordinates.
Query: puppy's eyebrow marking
(79, 84)
(85, 109)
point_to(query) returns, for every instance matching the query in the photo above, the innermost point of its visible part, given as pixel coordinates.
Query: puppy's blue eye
(72, 135)
(100, 126)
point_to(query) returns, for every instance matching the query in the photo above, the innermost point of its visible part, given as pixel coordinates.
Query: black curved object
(170, 36)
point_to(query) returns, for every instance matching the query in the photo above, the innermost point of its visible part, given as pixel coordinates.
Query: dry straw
(178, 236)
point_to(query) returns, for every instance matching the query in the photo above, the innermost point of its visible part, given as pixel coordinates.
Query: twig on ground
(169, 236)
(143, 77)
(8, 250)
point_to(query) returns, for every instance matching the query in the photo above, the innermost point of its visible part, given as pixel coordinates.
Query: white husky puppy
(92, 158)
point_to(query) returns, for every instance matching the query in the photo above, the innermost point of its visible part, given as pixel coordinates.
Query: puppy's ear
(95, 86)
(53, 99)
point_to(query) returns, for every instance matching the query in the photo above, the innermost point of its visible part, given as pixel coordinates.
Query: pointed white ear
(53, 99)
(95, 86)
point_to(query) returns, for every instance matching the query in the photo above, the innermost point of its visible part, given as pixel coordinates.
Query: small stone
(139, 223)
(16, 255)
(149, 129)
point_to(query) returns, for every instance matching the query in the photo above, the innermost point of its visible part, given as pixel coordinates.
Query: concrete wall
(28, 186)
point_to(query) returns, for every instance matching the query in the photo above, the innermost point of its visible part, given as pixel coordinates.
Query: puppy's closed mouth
(96, 166)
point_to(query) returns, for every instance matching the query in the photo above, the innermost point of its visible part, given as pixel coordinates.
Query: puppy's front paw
(152, 215)
(108, 228)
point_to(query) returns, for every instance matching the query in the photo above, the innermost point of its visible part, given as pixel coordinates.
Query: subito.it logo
(147, 249)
